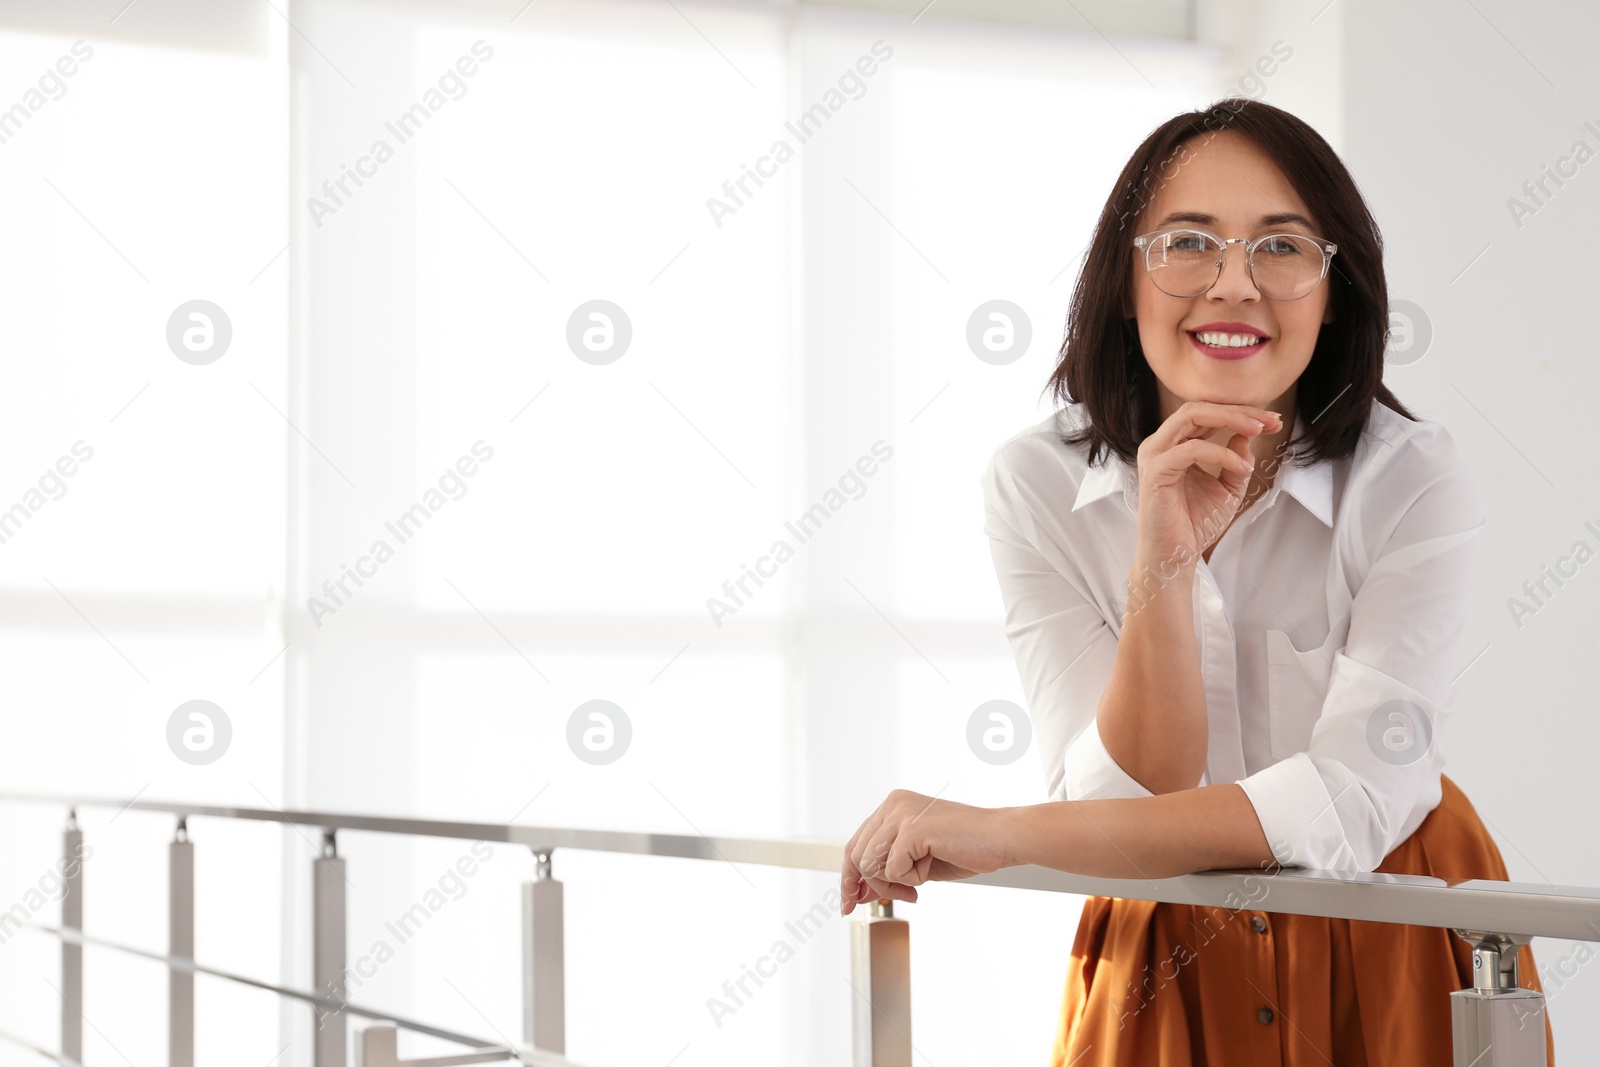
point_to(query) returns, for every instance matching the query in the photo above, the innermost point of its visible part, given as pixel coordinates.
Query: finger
(862, 859)
(850, 884)
(851, 873)
(908, 861)
(882, 890)
(870, 860)
(1170, 466)
(876, 886)
(872, 853)
(862, 892)
(874, 865)
(856, 886)
(1196, 418)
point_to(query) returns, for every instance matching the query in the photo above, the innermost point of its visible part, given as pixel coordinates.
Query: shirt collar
(1312, 486)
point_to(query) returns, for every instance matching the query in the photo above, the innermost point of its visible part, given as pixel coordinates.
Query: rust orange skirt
(1177, 985)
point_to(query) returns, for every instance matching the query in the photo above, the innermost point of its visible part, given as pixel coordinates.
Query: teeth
(1228, 340)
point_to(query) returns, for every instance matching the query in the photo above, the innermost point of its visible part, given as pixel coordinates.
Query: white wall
(145, 172)
(1449, 109)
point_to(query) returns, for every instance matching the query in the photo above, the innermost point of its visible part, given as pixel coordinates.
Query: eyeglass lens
(1187, 263)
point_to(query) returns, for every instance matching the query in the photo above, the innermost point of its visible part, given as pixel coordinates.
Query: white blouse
(1330, 625)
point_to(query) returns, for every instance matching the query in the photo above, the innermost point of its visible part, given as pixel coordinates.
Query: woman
(1236, 573)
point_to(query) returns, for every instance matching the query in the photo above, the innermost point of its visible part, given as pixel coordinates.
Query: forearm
(1152, 715)
(1210, 828)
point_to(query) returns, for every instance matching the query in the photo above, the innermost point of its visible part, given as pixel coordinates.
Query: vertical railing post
(880, 966)
(328, 952)
(1496, 1023)
(180, 945)
(72, 953)
(544, 981)
(377, 1045)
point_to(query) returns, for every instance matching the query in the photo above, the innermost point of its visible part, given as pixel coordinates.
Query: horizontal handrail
(522, 1054)
(809, 855)
(188, 966)
(37, 1050)
(1514, 908)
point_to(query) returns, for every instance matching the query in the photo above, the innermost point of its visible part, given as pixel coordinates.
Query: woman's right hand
(1190, 486)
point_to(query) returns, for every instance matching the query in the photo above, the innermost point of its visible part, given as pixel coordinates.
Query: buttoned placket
(1243, 953)
(1215, 638)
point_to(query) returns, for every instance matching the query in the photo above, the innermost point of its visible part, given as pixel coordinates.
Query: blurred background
(527, 292)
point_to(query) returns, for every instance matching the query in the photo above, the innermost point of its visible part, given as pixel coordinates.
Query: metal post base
(544, 981)
(376, 1046)
(1498, 1029)
(1497, 1023)
(880, 964)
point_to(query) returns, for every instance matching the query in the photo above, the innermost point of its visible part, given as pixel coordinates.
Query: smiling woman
(1235, 571)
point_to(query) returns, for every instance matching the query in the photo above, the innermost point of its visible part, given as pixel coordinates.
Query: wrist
(1151, 581)
(1164, 564)
(1011, 833)
(1036, 834)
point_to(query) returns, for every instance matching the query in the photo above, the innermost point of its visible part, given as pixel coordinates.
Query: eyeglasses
(1186, 263)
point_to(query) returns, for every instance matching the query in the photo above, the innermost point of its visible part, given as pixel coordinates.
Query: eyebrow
(1202, 219)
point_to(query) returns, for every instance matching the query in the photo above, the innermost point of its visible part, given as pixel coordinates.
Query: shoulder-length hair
(1102, 364)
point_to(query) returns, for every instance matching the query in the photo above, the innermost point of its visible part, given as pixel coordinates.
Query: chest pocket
(1297, 684)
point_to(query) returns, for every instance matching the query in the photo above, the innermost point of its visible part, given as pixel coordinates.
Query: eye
(1281, 246)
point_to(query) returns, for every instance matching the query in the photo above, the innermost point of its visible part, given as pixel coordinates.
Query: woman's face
(1233, 184)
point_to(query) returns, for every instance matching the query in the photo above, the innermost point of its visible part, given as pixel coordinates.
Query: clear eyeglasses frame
(1193, 271)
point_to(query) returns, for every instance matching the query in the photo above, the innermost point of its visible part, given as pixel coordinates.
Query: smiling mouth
(1224, 342)
(1225, 347)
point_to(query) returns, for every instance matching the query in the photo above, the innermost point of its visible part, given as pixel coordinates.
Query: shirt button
(1265, 1015)
(1258, 924)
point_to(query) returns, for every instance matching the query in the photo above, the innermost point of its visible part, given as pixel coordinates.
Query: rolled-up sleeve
(1370, 773)
(1063, 648)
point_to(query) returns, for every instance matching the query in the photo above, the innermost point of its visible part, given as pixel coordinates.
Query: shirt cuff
(1091, 773)
(1298, 816)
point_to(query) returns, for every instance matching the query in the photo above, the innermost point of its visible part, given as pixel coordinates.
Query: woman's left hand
(912, 839)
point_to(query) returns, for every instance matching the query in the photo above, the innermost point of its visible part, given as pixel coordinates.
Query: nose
(1234, 285)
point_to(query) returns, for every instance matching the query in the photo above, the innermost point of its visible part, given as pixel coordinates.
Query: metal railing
(1490, 1021)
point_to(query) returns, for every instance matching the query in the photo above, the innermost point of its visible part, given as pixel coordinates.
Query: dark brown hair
(1102, 364)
